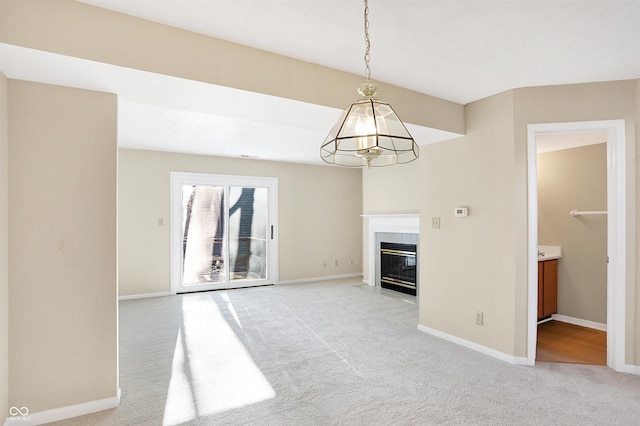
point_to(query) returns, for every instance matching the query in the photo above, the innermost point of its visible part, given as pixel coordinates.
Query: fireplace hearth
(398, 267)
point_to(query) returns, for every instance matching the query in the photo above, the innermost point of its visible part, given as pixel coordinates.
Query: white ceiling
(460, 50)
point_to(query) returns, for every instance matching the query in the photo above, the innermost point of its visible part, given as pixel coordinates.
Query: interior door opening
(616, 234)
(222, 232)
(572, 250)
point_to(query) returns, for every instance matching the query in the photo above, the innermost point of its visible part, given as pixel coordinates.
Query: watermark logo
(19, 413)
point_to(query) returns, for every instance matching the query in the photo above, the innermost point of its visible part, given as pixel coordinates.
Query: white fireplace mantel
(398, 223)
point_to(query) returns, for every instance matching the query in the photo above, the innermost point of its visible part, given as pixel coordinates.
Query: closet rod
(575, 213)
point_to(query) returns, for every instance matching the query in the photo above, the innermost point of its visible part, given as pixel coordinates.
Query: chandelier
(369, 133)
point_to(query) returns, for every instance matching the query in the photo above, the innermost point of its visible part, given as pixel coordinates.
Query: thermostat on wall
(461, 212)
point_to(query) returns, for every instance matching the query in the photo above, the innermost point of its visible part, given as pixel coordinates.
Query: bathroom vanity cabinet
(547, 288)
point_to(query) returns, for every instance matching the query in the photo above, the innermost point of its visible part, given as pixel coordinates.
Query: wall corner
(4, 250)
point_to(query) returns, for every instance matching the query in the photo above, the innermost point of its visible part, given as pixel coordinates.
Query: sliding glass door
(223, 231)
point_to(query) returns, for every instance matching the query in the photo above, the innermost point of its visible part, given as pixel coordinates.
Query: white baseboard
(632, 369)
(521, 360)
(327, 278)
(474, 346)
(144, 296)
(63, 413)
(580, 322)
(300, 280)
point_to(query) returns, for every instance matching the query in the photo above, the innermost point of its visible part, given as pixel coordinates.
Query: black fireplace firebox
(398, 267)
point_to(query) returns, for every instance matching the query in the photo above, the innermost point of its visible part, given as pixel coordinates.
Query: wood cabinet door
(550, 291)
(540, 290)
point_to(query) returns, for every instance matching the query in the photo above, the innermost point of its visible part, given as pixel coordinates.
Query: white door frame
(616, 233)
(177, 179)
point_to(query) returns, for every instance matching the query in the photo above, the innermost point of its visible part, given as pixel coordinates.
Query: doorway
(223, 232)
(616, 233)
(572, 251)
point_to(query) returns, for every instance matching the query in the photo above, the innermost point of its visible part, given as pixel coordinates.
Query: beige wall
(319, 216)
(634, 326)
(467, 264)
(572, 103)
(576, 179)
(479, 263)
(391, 189)
(62, 240)
(388, 190)
(4, 251)
(92, 33)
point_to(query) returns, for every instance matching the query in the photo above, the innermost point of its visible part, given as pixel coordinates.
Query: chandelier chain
(367, 40)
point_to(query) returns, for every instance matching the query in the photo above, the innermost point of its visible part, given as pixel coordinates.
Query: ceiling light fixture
(369, 132)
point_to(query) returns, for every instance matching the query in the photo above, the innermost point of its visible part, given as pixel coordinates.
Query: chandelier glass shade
(369, 133)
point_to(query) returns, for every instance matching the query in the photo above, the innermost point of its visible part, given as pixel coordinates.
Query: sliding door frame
(178, 180)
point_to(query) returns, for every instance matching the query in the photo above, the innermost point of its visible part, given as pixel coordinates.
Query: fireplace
(398, 267)
(391, 228)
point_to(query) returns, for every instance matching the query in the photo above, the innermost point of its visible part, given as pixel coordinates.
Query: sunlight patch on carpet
(212, 371)
(231, 309)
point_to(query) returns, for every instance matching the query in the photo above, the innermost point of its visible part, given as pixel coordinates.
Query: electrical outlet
(435, 222)
(335, 262)
(324, 264)
(479, 318)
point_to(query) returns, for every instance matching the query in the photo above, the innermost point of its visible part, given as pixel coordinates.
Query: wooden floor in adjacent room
(562, 342)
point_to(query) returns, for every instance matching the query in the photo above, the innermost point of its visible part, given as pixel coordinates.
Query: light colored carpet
(334, 353)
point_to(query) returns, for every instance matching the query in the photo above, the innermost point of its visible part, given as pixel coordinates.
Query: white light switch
(435, 222)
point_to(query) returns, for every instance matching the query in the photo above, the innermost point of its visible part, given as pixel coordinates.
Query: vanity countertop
(549, 253)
